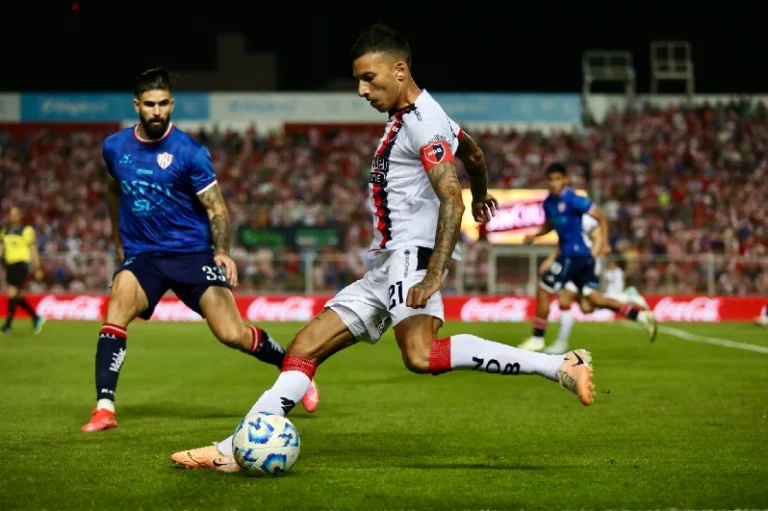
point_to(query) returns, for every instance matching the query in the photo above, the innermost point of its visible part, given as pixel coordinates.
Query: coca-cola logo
(88, 308)
(284, 309)
(518, 215)
(504, 309)
(700, 309)
(174, 310)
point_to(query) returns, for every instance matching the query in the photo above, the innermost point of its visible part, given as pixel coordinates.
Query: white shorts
(377, 301)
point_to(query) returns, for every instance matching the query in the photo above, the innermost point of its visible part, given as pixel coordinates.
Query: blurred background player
(19, 249)
(416, 207)
(171, 229)
(762, 319)
(564, 211)
(569, 294)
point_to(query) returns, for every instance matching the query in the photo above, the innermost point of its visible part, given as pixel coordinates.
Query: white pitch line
(686, 336)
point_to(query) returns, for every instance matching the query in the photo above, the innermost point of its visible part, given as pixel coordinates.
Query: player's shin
(470, 352)
(566, 324)
(12, 304)
(288, 390)
(263, 347)
(110, 354)
(24, 304)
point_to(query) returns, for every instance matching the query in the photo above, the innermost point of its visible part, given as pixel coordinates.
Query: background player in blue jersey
(171, 229)
(564, 210)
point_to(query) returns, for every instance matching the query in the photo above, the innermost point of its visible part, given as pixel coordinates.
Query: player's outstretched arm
(445, 182)
(597, 242)
(214, 204)
(545, 229)
(113, 205)
(484, 205)
(601, 246)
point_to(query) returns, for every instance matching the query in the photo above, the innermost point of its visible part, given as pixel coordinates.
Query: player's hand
(120, 255)
(419, 294)
(602, 250)
(545, 266)
(223, 260)
(528, 239)
(484, 209)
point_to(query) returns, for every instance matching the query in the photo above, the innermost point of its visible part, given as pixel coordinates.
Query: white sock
(288, 390)
(566, 325)
(470, 352)
(105, 404)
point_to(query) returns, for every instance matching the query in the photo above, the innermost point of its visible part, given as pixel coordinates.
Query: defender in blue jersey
(171, 230)
(575, 263)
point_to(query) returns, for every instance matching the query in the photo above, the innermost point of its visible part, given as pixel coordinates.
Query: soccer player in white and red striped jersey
(417, 208)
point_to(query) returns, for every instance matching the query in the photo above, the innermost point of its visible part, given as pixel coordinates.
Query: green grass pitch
(676, 424)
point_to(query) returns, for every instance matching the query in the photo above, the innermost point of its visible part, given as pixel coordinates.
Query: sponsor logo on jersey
(380, 163)
(378, 178)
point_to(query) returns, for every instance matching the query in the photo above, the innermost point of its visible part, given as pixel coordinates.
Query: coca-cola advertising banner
(520, 212)
(700, 309)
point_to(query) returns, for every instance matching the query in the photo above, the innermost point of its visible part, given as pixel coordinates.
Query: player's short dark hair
(556, 168)
(380, 38)
(157, 78)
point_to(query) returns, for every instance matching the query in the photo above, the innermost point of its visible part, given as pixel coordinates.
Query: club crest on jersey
(164, 160)
(561, 207)
(434, 153)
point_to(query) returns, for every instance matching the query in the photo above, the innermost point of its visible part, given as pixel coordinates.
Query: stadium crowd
(684, 190)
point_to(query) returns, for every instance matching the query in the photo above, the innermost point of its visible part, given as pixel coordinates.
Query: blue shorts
(187, 275)
(578, 270)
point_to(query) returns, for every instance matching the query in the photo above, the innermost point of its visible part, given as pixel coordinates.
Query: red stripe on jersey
(384, 223)
(460, 134)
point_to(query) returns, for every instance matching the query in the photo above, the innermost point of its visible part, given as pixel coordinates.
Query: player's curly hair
(381, 38)
(157, 78)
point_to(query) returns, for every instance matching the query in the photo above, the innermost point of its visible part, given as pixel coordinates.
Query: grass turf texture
(675, 425)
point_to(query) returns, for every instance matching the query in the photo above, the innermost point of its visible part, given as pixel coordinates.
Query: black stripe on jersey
(381, 196)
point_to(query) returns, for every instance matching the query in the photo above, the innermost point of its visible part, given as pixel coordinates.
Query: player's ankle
(105, 404)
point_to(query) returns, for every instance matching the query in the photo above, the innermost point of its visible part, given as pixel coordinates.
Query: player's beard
(155, 130)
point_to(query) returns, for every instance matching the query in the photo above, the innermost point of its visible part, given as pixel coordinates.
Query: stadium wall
(692, 309)
(271, 110)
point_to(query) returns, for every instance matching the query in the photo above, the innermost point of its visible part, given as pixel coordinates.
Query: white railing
(485, 270)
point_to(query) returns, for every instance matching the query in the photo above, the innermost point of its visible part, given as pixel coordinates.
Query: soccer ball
(265, 443)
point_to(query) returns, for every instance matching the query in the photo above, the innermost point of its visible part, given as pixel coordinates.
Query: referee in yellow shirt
(19, 248)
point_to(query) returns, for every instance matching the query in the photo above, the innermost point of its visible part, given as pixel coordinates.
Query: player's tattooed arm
(446, 185)
(474, 163)
(214, 204)
(484, 205)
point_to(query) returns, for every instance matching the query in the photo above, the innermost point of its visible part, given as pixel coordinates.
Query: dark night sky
(490, 47)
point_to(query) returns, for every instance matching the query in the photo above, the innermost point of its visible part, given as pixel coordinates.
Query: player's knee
(120, 311)
(235, 336)
(416, 355)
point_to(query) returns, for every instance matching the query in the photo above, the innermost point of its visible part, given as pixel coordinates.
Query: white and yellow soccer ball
(265, 443)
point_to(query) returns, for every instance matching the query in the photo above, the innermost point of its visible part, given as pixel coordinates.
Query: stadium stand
(677, 184)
